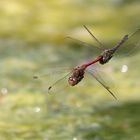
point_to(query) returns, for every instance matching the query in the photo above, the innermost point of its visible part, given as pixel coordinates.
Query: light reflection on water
(4, 91)
(74, 138)
(37, 109)
(124, 68)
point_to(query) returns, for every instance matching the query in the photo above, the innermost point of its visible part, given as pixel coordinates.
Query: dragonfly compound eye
(72, 81)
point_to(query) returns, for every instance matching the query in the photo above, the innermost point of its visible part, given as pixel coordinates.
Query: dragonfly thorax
(76, 76)
(106, 56)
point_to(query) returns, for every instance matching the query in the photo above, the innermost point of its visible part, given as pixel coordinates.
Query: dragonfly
(77, 73)
(107, 54)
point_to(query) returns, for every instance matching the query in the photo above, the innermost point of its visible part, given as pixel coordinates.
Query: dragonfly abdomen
(125, 37)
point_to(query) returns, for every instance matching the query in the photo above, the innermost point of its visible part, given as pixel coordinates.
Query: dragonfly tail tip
(49, 88)
(35, 77)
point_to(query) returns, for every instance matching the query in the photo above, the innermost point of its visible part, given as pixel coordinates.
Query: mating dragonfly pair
(77, 73)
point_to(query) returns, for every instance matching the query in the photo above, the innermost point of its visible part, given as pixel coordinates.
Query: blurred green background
(32, 41)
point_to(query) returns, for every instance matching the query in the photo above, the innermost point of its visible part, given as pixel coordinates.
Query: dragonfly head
(76, 76)
(72, 81)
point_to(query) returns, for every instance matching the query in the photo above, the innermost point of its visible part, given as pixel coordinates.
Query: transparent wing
(90, 46)
(131, 46)
(59, 84)
(100, 80)
(53, 81)
(100, 45)
(81, 42)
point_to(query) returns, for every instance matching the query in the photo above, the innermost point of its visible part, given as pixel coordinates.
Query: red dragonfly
(77, 73)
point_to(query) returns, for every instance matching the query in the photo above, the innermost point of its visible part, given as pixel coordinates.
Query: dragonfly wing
(132, 45)
(56, 81)
(81, 42)
(101, 46)
(101, 81)
(93, 47)
(59, 84)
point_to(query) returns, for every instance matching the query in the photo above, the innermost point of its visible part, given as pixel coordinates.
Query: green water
(32, 42)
